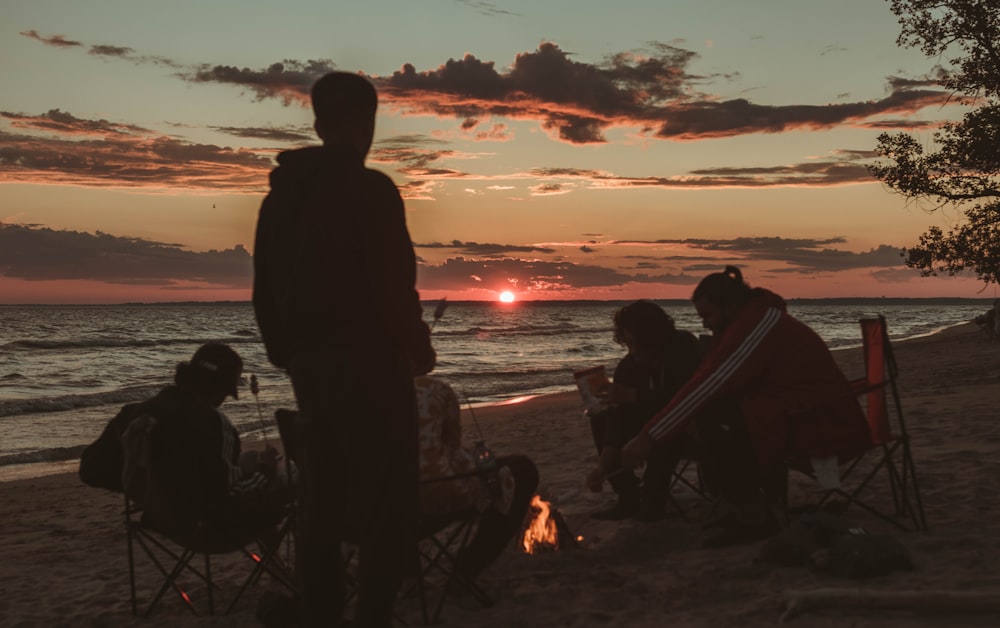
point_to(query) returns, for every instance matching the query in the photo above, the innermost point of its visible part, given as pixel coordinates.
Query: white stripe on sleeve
(715, 380)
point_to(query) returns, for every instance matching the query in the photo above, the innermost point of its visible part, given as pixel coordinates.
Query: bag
(101, 461)
(829, 543)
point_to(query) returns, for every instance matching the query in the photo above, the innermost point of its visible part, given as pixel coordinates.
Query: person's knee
(526, 476)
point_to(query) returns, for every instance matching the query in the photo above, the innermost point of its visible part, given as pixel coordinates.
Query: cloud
(481, 265)
(99, 153)
(708, 119)
(846, 167)
(111, 51)
(484, 249)
(550, 189)
(38, 254)
(101, 50)
(809, 173)
(652, 90)
(579, 101)
(496, 133)
(58, 121)
(901, 124)
(486, 8)
(58, 147)
(301, 135)
(576, 101)
(58, 41)
(540, 277)
(288, 80)
(802, 255)
(415, 154)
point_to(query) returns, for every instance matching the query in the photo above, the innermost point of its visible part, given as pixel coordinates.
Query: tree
(964, 170)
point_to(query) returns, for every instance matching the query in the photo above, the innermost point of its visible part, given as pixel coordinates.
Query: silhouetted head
(213, 372)
(644, 328)
(344, 105)
(719, 296)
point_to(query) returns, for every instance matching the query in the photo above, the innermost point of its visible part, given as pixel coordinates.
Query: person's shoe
(623, 509)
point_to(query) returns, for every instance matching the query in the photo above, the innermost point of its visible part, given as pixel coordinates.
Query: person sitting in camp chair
(660, 359)
(179, 458)
(767, 390)
(454, 479)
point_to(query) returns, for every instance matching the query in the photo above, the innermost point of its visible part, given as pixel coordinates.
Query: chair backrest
(137, 459)
(286, 429)
(449, 478)
(880, 373)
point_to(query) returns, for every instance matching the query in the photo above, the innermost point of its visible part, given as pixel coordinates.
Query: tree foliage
(963, 169)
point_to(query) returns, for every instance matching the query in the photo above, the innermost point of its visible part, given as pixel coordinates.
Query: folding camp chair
(442, 538)
(890, 455)
(687, 476)
(172, 554)
(173, 557)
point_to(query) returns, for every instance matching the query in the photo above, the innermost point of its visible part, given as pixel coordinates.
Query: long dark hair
(725, 288)
(647, 322)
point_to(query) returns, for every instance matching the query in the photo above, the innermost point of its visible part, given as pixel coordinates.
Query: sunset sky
(558, 150)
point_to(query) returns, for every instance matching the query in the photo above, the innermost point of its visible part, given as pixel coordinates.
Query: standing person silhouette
(335, 300)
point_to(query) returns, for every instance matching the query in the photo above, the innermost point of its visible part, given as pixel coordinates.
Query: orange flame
(541, 532)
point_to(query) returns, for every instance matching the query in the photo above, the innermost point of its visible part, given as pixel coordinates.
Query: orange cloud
(74, 151)
(576, 101)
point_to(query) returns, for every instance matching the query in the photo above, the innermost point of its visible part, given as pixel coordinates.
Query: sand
(64, 559)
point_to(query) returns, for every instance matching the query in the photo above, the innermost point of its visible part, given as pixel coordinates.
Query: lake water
(65, 370)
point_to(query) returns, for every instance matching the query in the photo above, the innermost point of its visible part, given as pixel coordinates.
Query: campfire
(545, 529)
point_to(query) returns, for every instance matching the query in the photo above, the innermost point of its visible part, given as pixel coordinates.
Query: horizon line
(494, 301)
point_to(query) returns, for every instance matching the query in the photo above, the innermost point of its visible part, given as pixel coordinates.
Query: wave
(72, 402)
(241, 337)
(536, 330)
(500, 375)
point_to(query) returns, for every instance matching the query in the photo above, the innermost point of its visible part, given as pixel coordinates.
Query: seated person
(767, 391)
(660, 359)
(179, 458)
(451, 479)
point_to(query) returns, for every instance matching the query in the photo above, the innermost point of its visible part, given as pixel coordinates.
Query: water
(66, 370)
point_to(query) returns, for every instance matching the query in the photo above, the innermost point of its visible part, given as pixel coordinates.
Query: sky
(555, 150)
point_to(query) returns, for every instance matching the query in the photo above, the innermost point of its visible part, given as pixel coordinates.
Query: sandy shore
(64, 560)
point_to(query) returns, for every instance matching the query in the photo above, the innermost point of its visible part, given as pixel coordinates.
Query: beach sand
(64, 556)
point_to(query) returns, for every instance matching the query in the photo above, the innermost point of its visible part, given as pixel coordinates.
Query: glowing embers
(546, 530)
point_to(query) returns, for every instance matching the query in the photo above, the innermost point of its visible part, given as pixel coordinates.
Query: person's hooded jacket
(333, 262)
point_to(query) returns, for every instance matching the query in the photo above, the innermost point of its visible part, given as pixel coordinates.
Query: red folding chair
(890, 455)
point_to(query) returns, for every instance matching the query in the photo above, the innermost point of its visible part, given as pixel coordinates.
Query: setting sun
(507, 296)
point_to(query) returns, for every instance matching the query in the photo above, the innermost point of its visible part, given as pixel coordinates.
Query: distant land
(986, 301)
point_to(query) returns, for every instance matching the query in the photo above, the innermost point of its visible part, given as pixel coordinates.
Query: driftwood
(919, 601)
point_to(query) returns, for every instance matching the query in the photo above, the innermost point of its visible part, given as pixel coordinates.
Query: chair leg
(264, 561)
(131, 569)
(208, 575)
(171, 582)
(443, 553)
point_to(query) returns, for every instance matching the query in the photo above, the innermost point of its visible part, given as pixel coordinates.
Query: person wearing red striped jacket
(767, 391)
